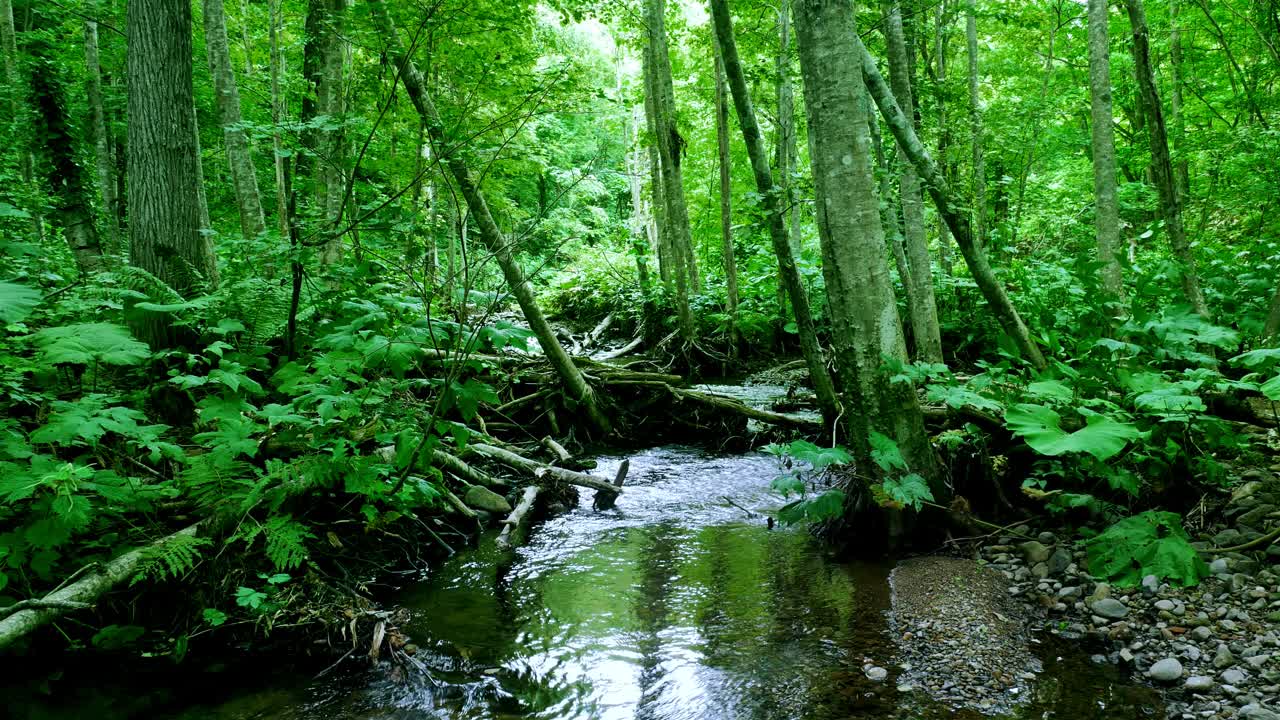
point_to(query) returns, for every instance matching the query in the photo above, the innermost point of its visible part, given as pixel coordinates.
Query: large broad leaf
(16, 302)
(910, 491)
(818, 457)
(1258, 359)
(818, 508)
(1271, 388)
(90, 342)
(1102, 437)
(1151, 543)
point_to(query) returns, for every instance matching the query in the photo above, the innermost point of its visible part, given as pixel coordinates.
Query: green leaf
(818, 457)
(1102, 436)
(1258, 359)
(1271, 388)
(90, 342)
(214, 616)
(909, 490)
(1051, 390)
(885, 453)
(113, 637)
(16, 301)
(1150, 543)
(250, 598)
(787, 484)
(827, 506)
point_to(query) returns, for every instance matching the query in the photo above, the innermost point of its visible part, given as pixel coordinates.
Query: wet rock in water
(1166, 670)
(876, 674)
(482, 498)
(1199, 683)
(1109, 608)
(1034, 551)
(962, 636)
(1218, 566)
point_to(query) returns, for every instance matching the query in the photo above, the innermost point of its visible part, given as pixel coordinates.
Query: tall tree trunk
(1107, 215)
(666, 263)
(864, 313)
(924, 307)
(163, 190)
(726, 208)
(786, 151)
(104, 163)
(944, 129)
(671, 150)
(1181, 168)
(244, 38)
(975, 127)
(974, 255)
(72, 207)
(638, 224)
(776, 209)
(244, 177)
(277, 117)
(1161, 165)
(331, 102)
(575, 384)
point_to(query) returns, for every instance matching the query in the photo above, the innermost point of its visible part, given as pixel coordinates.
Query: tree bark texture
(1107, 214)
(726, 204)
(163, 190)
(864, 314)
(666, 261)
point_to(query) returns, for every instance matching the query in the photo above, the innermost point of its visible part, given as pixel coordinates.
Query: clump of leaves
(1149, 543)
(802, 462)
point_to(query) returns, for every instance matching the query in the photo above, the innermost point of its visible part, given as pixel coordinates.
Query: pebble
(1109, 608)
(1232, 677)
(1223, 658)
(1167, 670)
(1199, 683)
(1034, 551)
(877, 674)
(1166, 605)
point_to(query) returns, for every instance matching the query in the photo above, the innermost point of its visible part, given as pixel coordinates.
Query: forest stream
(676, 604)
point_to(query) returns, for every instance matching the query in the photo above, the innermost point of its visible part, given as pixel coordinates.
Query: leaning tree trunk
(975, 125)
(775, 205)
(974, 255)
(575, 384)
(1107, 215)
(104, 163)
(72, 207)
(670, 151)
(163, 190)
(864, 313)
(726, 207)
(924, 307)
(1161, 164)
(244, 177)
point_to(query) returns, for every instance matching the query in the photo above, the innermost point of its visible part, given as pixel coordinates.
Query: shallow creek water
(676, 605)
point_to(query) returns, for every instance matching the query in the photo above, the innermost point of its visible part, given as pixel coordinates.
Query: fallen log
(562, 455)
(541, 470)
(624, 350)
(765, 416)
(516, 524)
(452, 464)
(83, 592)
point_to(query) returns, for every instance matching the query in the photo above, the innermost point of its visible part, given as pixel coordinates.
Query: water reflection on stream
(675, 605)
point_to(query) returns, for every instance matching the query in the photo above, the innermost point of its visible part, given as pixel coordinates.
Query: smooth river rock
(1167, 670)
(1109, 608)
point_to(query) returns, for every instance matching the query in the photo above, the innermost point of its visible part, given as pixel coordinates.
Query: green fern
(171, 559)
(142, 284)
(286, 541)
(90, 343)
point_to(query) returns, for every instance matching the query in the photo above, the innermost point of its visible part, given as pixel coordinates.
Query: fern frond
(286, 541)
(171, 559)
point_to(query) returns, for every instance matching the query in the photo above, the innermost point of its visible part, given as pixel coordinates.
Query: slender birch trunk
(662, 232)
(277, 117)
(975, 128)
(415, 86)
(888, 218)
(670, 150)
(944, 129)
(776, 208)
(1161, 165)
(1181, 168)
(726, 208)
(864, 314)
(104, 163)
(974, 255)
(1107, 214)
(638, 224)
(244, 177)
(924, 307)
(786, 150)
